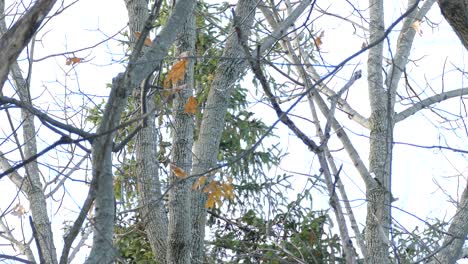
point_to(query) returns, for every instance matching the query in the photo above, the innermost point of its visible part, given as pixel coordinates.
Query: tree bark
(180, 216)
(122, 86)
(152, 211)
(381, 133)
(212, 124)
(19, 35)
(456, 13)
(31, 184)
(456, 234)
(35, 194)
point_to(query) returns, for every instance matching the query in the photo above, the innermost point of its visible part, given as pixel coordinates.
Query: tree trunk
(212, 124)
(456, 234)
(152, 211)
(180, 217)
(122, 86)
(33, 186)
(35, 194)
(456, 13)
(381, 132)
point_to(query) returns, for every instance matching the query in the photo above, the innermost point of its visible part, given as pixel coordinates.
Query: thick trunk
(152, 212)
(456, 13)
(180, 217)
(102, 250)
(206, 148)
(378, 196)
(381, 124)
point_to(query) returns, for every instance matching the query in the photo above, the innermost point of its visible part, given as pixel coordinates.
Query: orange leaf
(199, 183)
(216, 191)
(19, 210)
(177, 73)
(210, 202)
(318, 40)
(178, 171)
(147, 40)
(191, 105)
(228, 191)
(73, 60)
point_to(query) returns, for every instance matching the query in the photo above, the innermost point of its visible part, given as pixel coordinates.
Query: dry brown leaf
(19, 210)
(191, 105)
(177, 73)
(319, 40)
(73, 61)
(147, 40)
(178, 171)
(210, 202)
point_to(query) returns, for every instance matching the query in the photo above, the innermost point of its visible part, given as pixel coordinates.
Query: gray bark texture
(382, 102)
(19, 35)
(212, 124)
(12, 42)
(456, 13)
(381, 129)
(180, 216)
(148, 184)
(457, 233)
(122, 86)
(35, 192)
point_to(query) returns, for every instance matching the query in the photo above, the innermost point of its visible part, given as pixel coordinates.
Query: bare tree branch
(404, 44)
(45, 117)
(255, 65)
(428, 102)
(18, 36)
(78, 223)
(3, 256)
(17, 179)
